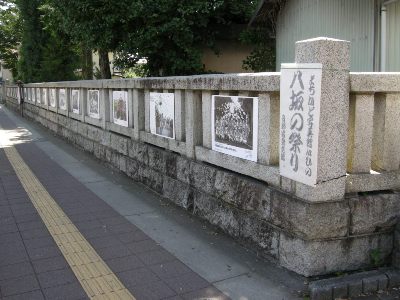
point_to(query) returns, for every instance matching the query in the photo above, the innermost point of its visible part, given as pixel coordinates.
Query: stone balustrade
(309, 229)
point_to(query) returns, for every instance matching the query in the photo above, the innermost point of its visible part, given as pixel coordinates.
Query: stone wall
(343, 221)
(310, 238)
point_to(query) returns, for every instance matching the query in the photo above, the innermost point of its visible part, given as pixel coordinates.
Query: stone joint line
(96, 278)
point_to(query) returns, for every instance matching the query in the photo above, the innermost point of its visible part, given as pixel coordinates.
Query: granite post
(334, 55)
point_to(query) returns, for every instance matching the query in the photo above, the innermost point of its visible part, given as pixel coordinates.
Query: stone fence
(163, 132)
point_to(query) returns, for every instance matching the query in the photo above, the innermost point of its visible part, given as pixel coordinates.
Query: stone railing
(373, 146)
(192, 96)
(312, 230)
(373, 158)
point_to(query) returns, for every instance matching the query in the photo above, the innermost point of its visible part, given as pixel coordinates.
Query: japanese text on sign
(299, 121)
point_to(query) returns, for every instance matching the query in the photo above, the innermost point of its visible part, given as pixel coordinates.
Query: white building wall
(351, 20)
(393, 37)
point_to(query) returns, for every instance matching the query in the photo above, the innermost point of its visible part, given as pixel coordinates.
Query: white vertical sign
(120, 107)
(162, 114)
(299, 121)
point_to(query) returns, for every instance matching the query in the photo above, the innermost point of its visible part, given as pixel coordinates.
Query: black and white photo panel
(120, 107)
(75, 103)
(62, 100)
(162, 114)
(94, 104)
(234, 126)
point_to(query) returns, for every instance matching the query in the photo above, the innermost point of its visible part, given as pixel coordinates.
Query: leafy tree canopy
(169, 34)
(10, 35)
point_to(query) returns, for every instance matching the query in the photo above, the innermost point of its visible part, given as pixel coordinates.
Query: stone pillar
(334, 55)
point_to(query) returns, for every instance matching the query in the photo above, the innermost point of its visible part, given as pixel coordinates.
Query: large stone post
(334, 55)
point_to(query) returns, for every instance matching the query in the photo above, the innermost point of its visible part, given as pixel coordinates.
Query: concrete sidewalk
(210, 254)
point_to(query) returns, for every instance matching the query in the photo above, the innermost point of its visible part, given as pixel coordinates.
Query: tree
(98, 24)
(171, 34)
(33, 39)
(10, 35)
(46, 53)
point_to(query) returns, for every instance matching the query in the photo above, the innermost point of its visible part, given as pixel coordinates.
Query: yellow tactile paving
(96, 278)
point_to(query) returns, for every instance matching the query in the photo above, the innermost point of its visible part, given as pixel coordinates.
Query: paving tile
(140, 276)
(40, 242)
(82, 217)
(113, 252)
(206, 293)
(5, 211)
(126, 263)
(10, 238)
(156, 257)
(49, 264)
(154, 291)
(56, 278)
(7, 220)
(19, 285)
(114, 221)
(143, 246)
(35, 233)
(132, 236)
(27, 218)
(13, 256)
(35, 295)
(95, 232)
(15, 270)
(104, 242)
(186, 283)
(170, 269)
(177, 297)
(8, 228)
(44, 252)
(72, 291)
(87, 224)
(23, 211)
(31, 225)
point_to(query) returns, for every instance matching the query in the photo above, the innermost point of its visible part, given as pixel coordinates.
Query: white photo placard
(52, 97)
(120, 107)
(62, 99)
(75, 101)
(19, 96)
(44, 97)
(38, 99)
(234, 126)
(299, 121)
(162, 114)
(94, 104)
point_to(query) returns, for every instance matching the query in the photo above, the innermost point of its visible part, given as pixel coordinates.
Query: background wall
(351, 20)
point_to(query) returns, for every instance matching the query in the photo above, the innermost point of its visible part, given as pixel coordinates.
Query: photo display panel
(94, 104)
(234, 126)
(162, 114)
(120, 107)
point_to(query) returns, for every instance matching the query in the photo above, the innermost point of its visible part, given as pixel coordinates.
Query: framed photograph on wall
(94, 104)
(234, 126)
(62, 99)
(120, 107)
(162, 114)
(52, 97)
(75, 101)
(44, 97)
(38, 99)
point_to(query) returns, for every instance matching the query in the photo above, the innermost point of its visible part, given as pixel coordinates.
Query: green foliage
(262, 58)
(10, 35)
(171, 34)
(46, 53)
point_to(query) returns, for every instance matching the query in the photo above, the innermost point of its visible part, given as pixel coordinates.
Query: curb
(354, 285)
